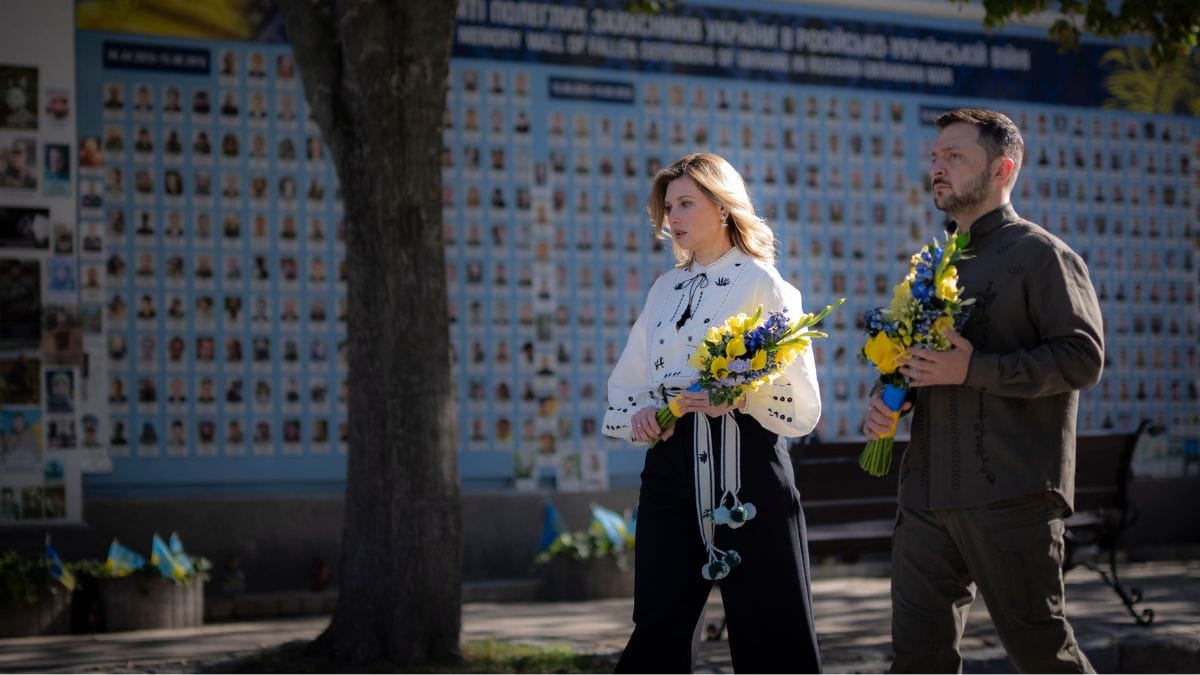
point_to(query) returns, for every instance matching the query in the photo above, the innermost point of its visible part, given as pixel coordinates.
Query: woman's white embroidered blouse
(680, 308)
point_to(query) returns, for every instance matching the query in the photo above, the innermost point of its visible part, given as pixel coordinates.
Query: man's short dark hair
(997, 133)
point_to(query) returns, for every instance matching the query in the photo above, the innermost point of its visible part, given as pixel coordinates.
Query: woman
(714, 455)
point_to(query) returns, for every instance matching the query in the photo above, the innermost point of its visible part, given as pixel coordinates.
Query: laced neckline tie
(698, 282)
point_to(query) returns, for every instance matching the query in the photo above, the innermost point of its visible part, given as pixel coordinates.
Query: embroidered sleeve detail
(629, 386)
(791, 405)
(618, 416)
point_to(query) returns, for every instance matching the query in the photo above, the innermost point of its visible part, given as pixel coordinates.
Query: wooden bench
(849, 513)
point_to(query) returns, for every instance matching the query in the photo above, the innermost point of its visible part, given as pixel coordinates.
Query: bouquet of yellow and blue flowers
(745, 353)
(923, 306)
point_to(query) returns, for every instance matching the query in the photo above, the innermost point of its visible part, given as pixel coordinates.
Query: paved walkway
(853, 618)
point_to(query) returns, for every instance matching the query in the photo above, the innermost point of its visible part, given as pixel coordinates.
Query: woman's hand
(645, 427)
(698, 401)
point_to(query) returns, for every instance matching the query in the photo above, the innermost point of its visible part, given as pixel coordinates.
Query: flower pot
(139, 602)
(601, 577)
(49, 615)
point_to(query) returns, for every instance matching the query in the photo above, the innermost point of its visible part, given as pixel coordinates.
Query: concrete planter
(50, 615)
(140, 602)
(600, 577)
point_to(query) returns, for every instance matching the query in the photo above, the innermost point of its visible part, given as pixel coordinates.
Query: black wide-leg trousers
(768, 601)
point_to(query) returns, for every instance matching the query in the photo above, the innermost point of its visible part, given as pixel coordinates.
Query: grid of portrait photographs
(216, 248)
(1119, 189)
(217, 260)
(40, 333)
(551, 252)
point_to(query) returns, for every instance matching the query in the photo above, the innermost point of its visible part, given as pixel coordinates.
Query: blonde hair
(723, 185)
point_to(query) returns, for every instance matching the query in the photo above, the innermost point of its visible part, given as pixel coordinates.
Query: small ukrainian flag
(122, 560)
(552, 525)
(57, 569)
(160, 557)
(612, 525)
(181, 556)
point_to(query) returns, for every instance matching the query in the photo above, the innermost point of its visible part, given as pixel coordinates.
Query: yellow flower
(700, 358)
(713, 335)
(884, 352)
(947, 288)
(674, 406)
(941, 324)
(736, 324)
(719, 366)
(788, 353)
(759, 361)
(735, 348)
(901, 295)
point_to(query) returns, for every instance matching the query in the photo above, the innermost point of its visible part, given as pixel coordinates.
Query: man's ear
(1004, 169)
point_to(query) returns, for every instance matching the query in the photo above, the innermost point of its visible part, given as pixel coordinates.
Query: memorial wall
(171, 234)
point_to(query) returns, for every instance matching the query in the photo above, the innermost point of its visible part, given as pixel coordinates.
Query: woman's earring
(723, 217)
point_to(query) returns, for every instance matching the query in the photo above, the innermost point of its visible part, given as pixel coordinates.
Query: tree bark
(375, 77)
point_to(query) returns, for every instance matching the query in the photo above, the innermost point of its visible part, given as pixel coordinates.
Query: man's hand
(881, 420)
(927, 368)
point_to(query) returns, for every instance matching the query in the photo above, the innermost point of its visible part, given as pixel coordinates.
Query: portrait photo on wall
(91, 154)
(62, 335)
(58, 107)
(56, 175)
(20, 439)
(62, 273)
(20, 303)
(20, 381)
(18, 97)
(24, 227)
(18, 163)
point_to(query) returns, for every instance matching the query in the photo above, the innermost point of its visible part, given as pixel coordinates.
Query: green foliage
(23, 579)
(649, 6)
(500, 657)
(98, 569)
(1135, 83)
(1172, 25)
(489, 656)
(581, 545)
(89, 568)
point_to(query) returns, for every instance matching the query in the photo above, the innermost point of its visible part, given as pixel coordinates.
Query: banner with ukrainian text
(803, 48)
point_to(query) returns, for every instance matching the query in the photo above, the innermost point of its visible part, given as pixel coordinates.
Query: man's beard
(973, 194)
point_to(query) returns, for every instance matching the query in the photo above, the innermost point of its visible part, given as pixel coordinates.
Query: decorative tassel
(710, 510)
(683, 318)
(699, 281)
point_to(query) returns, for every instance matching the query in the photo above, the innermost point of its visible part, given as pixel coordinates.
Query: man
(17, 169)
(989, 473)
(18, 444)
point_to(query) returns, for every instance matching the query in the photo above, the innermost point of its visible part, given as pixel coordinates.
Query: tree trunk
(375, 77)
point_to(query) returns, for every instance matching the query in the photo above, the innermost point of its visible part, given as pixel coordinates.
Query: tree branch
(1173, 26)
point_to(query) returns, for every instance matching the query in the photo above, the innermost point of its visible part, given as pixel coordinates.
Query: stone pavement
(853, 615)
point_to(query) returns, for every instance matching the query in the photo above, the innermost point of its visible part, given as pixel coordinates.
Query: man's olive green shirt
(1037, 334)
